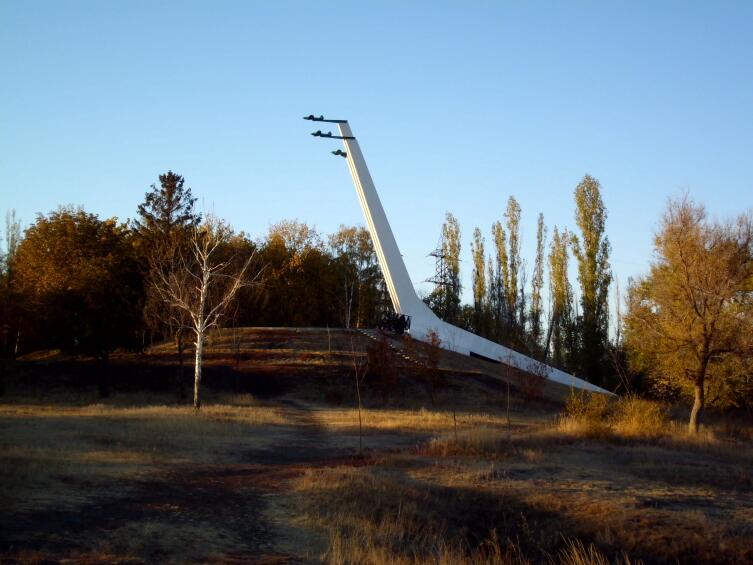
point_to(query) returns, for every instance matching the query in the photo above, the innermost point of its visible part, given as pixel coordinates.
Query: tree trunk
(197, 369)
(695, 414)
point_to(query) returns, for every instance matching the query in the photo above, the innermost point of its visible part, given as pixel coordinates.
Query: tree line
(75, 282)
(687, 331)
(568, 333)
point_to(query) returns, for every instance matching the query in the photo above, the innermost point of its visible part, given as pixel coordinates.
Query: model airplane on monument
(402, 293)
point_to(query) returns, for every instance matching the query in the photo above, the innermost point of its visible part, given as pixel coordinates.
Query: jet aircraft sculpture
(402, 294)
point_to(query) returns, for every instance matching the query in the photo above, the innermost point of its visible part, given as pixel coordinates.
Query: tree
(513, 288)
(560, 332)
(9, 299)
(166, 208)
(479, 282)
(497, 288)
(356, 261)
(81, 285)
(164, 223)
(690, 320)
(507, 300)
(445, 299)
(537, 285)
(302, 288)
(202, 283)
(451, 250)
(594, 274)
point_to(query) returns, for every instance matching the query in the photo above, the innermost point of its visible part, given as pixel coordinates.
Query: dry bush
(599, 416)
(587, 415)
(637, 417)
(531, 382)
(631, 418)
(531, 386)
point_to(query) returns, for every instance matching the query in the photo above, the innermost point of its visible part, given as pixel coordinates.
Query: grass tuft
(599, 416)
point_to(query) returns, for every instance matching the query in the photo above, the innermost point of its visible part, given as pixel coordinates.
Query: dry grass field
(274, 475)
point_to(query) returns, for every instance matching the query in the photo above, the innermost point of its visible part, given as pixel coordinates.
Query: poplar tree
(561, 295)
(537, 285)
(491, 299)
(514, 272)
(591, 250)
(506, 295)
(445, 300)
(501, 276)
(479, 281)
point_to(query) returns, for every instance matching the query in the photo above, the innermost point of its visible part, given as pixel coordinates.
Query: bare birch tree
(199, 282)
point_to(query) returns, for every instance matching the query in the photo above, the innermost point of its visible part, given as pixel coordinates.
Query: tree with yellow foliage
(689, 324)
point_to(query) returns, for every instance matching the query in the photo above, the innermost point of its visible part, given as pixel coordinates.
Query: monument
(402, 293)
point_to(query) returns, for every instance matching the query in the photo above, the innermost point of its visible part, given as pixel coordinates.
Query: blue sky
(456, 106)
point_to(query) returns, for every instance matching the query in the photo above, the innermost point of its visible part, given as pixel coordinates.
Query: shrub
(531, 382)
(586, 414)
(638, 417)
(597, 415)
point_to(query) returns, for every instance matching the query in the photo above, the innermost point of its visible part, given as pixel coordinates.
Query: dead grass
(65, 454)
(607, 482)
(404, 420)
(514, 501)
(383, 514)
(240, 409)
(631, 418)
(604, 478)
(472, 442)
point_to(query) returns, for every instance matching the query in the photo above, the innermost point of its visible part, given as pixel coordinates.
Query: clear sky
(456, 106)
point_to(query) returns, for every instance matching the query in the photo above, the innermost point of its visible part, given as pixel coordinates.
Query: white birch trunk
(197, 369)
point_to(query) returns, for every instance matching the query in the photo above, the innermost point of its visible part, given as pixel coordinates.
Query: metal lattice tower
(440, 278)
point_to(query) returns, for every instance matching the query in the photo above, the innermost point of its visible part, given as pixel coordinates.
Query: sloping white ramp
(403, 295)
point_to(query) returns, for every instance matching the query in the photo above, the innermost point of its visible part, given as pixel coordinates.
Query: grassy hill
(316, 362)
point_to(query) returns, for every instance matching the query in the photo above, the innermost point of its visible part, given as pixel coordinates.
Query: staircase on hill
(400, 352)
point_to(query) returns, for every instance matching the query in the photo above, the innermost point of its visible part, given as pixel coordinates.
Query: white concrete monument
(403, 295)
